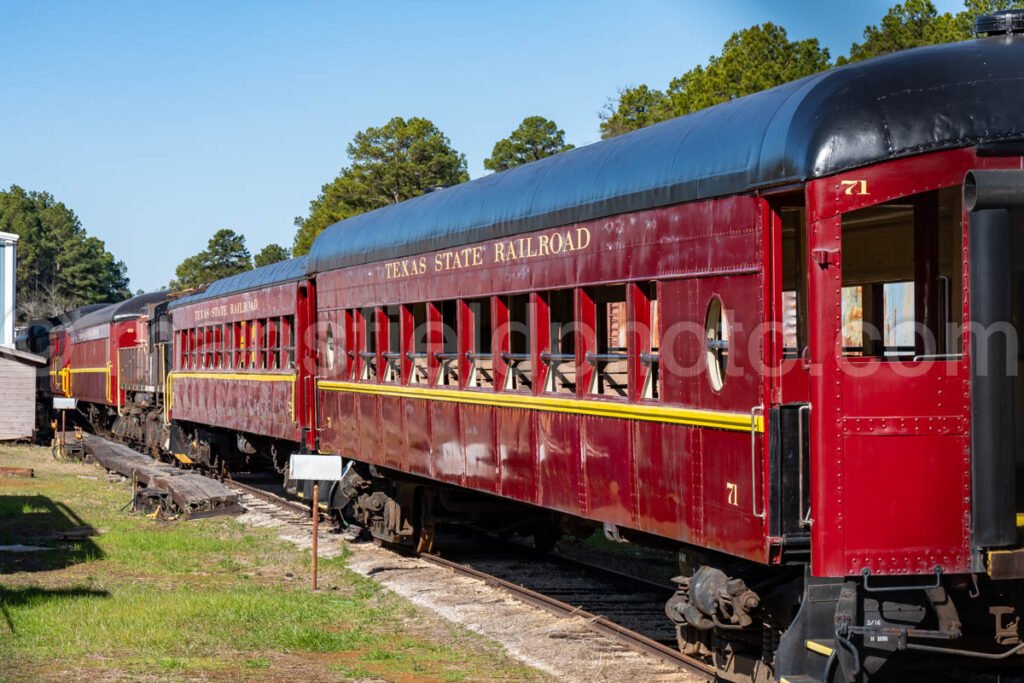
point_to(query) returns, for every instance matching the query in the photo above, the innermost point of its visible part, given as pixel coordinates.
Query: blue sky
(159, 123)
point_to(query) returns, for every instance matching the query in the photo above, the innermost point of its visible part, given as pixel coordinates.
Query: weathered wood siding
(17, 398)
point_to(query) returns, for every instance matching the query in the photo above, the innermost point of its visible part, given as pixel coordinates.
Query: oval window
(330, 347)
(716, 330)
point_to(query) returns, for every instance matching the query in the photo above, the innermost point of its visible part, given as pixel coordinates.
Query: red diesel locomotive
(778, 335)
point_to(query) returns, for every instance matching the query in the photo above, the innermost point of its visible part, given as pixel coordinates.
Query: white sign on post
(60, 403)
(314, 468)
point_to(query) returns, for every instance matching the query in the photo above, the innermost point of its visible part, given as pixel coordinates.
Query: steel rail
(603, 625)
(617, 632)
(268, 497)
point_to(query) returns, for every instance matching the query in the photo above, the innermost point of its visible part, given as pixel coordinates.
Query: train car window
(347, 340)
(448, 356)
(207, 346)
(519, 376)
(794, 282)
(651, 359)
(716, 332)
(255, 344)
(267, 339)
(481, 359)
(210, 346)
(610, 360)
(903, 301)
(274, 344)
(229, 345)
(368, 354)
(560, 357)
(420, 373)
(288, 340)
(243, 343)
(329, 350)
(235, 344)
(393, 351)
(218, 345)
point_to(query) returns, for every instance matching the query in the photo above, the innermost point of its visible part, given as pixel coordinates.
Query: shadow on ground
(60, 537)
(13, 598)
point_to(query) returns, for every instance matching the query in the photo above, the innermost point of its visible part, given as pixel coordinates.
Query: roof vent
(1000, 23)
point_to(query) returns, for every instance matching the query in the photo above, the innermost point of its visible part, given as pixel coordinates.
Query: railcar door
(890, 388)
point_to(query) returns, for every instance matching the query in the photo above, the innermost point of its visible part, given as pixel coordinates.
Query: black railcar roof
(124, 310)
(65, 319)
(910, 102)
(267, 276)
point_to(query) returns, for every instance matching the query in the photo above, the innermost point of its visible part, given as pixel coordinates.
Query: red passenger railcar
(763, 332)
(89, 349)
(239, 382)
(55, 348)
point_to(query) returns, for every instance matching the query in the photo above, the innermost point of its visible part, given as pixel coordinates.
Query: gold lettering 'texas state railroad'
(505, 251)
(245, 306)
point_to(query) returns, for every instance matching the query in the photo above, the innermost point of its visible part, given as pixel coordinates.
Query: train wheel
(426, 526)
(545, 536)
(425, 538)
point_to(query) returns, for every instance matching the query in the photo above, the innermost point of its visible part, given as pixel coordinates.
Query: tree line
(60, 265)
(406, 158)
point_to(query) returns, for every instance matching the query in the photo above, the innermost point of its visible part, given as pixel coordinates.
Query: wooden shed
(18, 392)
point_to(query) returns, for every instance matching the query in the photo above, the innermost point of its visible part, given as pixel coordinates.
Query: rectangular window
(519, 376)
(481, 360)
(610, 361)
(420, 373)
(288, 341)
(274, 343)
(347, 344)
(651, 359)
(222, 347)
(903, 302)
(243, 344)
(229, 345)
(794, 282)
(448, 356)
(208, 346)
(258, 344)
(368, 354)
(392, 319)
(560, 358)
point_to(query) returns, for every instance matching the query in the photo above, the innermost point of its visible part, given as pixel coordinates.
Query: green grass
(146, 600)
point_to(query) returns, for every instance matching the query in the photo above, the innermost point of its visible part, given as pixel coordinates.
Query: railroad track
(269, 497)
(621, 634)
(299, 513)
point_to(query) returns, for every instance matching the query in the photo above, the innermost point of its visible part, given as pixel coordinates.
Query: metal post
(316, 525)
(63, 433)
